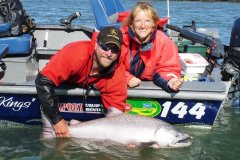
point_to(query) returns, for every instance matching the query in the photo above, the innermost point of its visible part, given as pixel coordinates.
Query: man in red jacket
(94, 63)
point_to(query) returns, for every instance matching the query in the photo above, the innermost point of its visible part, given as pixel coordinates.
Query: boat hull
(19, 104)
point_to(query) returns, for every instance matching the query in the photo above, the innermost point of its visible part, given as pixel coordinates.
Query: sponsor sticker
(145, 107)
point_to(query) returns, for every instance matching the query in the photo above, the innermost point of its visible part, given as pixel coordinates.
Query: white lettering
(181, 109)
(15, 105)
(94, 110)
(198, 110)
(166, 107)
(93, 105)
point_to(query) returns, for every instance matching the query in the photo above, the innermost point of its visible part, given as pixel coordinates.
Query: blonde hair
(142, 6)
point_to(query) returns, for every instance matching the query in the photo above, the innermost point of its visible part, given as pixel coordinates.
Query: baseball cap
(110, 35)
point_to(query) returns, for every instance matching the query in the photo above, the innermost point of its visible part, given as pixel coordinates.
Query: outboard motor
(231, 64)
(232, 57)
(234, 47)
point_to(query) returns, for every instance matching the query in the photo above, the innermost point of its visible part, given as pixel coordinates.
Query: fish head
(170, 137)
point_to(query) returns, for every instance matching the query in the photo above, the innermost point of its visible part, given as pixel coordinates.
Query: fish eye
(177, 135)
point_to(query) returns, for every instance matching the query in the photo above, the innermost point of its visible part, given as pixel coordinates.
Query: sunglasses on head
(106, 47)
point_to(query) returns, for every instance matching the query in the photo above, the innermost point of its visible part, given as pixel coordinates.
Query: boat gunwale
(138, 92)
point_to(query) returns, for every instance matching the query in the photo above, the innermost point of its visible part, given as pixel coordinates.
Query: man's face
(106, 54)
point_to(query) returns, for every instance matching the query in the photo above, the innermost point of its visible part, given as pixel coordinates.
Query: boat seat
(18, 45)
(5, 29)
(106, 12)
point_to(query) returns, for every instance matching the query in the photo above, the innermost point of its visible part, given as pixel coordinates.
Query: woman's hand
(134, 82)
(61, 129)
(175, 83)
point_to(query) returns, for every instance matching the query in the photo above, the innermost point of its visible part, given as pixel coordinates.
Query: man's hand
(134, 82)
(61, 129)
(175, 83)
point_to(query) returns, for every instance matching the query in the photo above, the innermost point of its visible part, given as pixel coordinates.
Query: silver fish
(126, 129)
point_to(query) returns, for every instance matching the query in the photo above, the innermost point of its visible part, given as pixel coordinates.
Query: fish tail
(47, 131)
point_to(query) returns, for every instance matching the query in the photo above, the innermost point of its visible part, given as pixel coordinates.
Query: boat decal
(10, 102)
(146, 107)
(80, 108)
(181, 109)
(176, 110)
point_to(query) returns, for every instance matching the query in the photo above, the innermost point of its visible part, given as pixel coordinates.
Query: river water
(219, 143)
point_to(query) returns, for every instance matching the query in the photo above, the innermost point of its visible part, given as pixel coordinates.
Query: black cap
(111, 35)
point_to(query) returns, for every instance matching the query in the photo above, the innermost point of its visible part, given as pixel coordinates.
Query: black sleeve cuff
(161, 82)
(57, 119)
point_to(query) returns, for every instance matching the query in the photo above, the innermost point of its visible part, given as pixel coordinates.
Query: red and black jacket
(71, 65)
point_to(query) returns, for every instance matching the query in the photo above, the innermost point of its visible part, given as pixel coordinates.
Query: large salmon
(126, 129)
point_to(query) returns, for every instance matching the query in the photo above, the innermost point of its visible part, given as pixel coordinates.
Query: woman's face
(142, 25)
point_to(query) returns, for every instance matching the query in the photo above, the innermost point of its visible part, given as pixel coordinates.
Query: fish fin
(112, 111)
(74, 122)
(141, 144)
(132, 146)
(147, 144)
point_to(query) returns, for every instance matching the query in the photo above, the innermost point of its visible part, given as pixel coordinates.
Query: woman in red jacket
(148, 54)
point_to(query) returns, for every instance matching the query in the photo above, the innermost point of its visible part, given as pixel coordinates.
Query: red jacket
(160, 59)
(72, 64)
